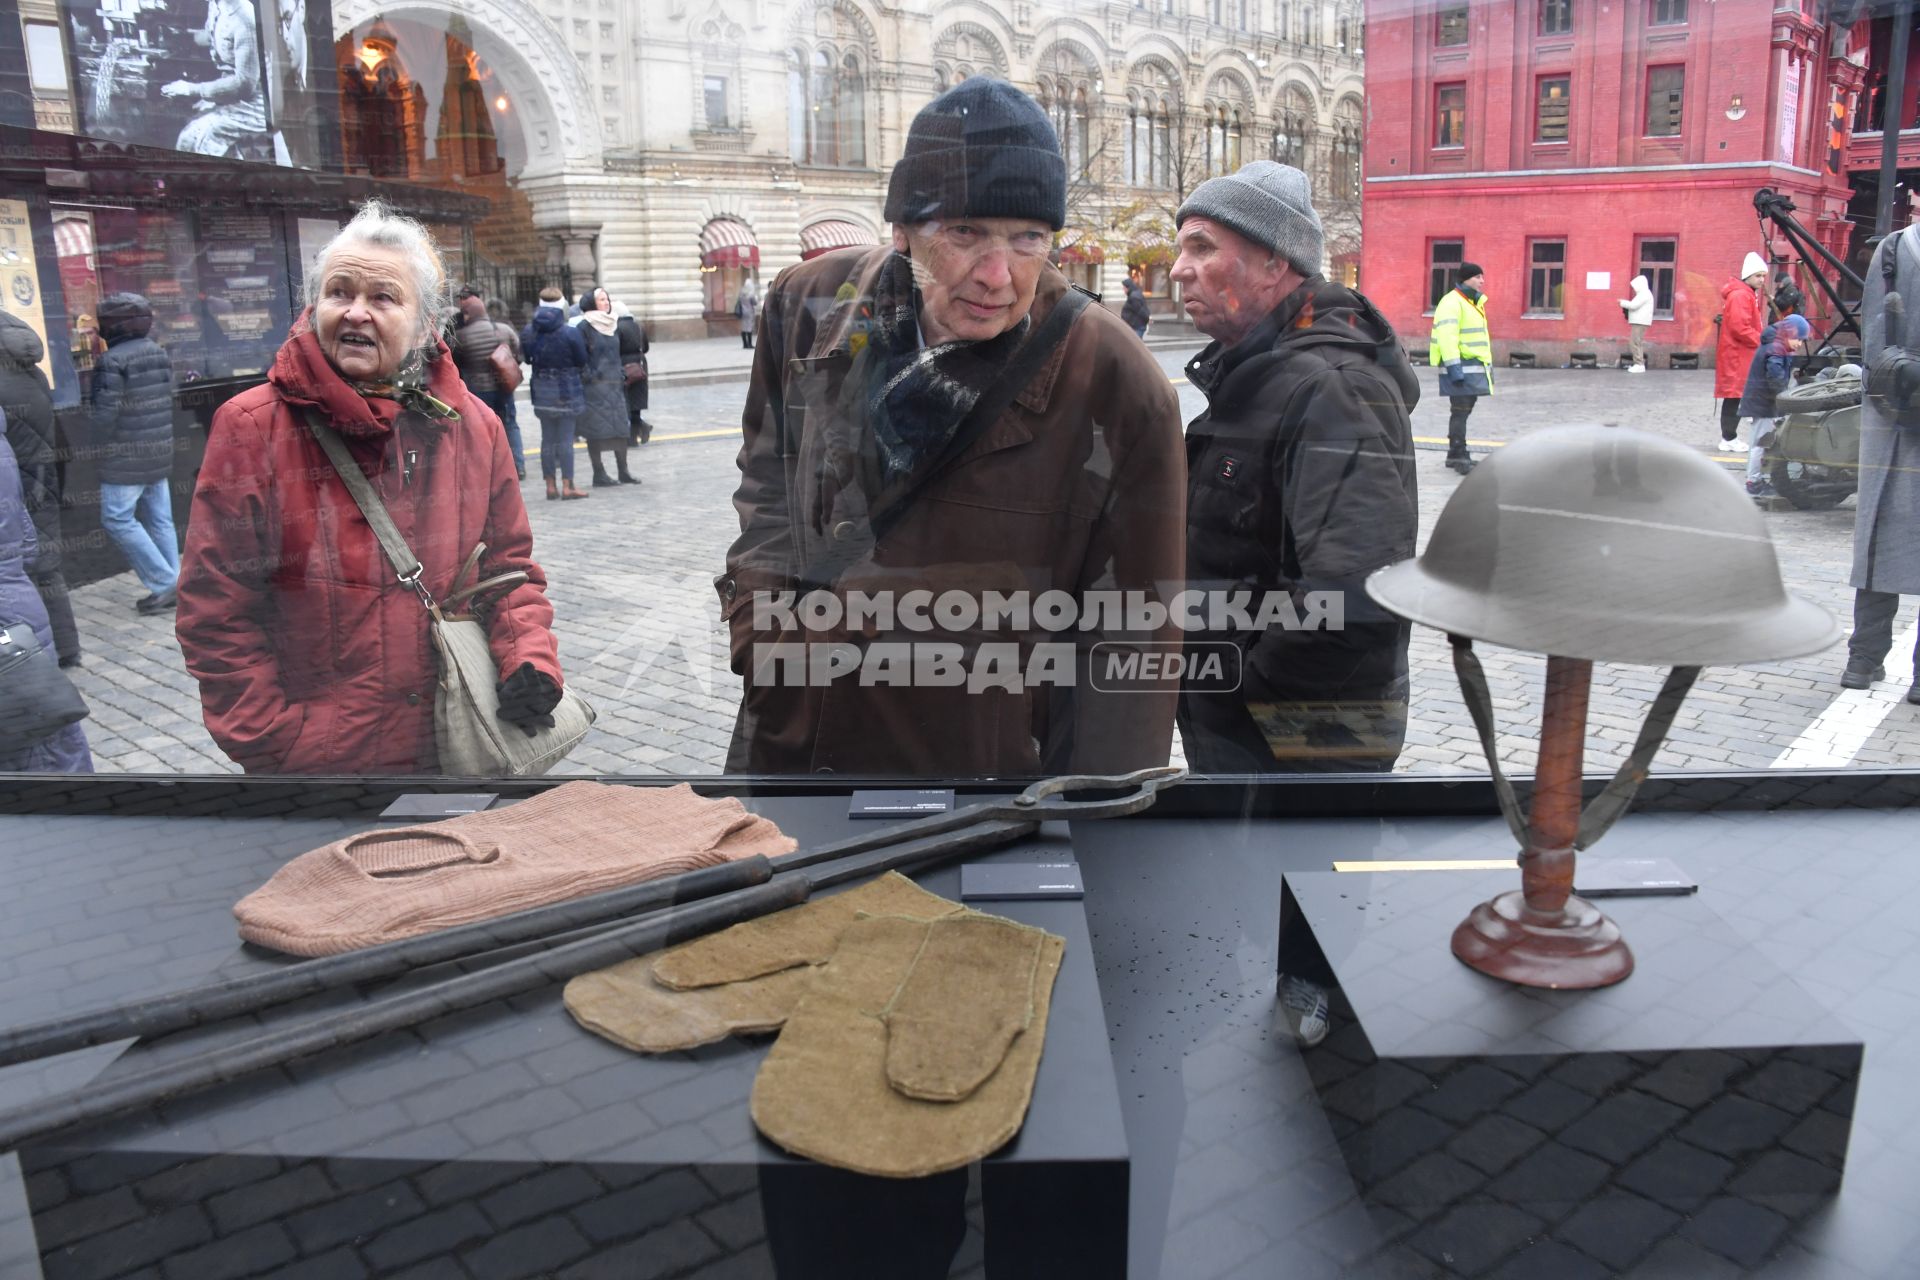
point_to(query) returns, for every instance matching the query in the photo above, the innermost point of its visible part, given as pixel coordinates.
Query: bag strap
(996, 398)
(406, 566)
(1604, 809)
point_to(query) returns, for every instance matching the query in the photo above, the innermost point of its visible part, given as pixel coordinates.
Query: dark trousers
(1462, 408)
(746, 338)
(1873, 614)
(597, 450)
(502, 405)
(52, 587)
(1729, 418)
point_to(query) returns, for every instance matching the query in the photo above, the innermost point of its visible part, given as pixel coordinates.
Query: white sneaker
(1735, 445)
(1305, 1007)
(1636, 368)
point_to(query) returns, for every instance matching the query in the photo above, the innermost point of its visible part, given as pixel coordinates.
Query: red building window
(1547, 277)
(1551, 108)
(1443, 264)
(1450, 115)
(1658, 256)
(1669, 13)
(1556, 17)
(1451, 31)
(1666, 88)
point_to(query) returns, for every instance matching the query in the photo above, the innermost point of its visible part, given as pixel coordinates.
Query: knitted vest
(579, 838)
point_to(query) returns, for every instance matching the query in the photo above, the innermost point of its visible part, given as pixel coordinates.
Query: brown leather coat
(1078, 486)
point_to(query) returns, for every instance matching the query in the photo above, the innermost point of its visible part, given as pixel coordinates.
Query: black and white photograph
(292, 98)
(182, 74)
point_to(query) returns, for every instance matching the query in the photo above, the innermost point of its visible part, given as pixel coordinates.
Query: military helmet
(1606, 544)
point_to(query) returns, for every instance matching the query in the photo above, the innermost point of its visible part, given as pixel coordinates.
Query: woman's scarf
(917, 396)
(408, 388)
(603, 322)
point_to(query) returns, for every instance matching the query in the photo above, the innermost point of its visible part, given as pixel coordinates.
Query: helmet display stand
(1542, 935)
(1590, 544)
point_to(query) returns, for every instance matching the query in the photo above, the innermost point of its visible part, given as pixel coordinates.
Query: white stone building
(669, 148)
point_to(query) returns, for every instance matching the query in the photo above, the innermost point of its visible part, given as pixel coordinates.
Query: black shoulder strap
(993, 402)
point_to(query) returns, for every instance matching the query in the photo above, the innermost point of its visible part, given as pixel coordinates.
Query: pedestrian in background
(1788, 298)
(633, 369)
(1886, 527)
(509, 415)
(557, 353)
(1770, 373)
(1741, 322)
(132, 414)
(747, 307)
(475, 338)
(603, 422)
(1462, 349)
(1639, 310)
(65, 750)
(28, 404)
(1134, 310)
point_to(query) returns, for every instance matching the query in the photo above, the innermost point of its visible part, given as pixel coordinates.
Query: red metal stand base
(1575, 948)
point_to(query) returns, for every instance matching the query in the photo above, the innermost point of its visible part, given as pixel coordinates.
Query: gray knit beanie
(982, 149)
(1268, 203)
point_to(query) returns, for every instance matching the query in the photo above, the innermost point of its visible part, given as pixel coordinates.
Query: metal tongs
(572, 938)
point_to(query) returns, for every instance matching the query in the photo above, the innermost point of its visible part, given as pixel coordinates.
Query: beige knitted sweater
(577, 839)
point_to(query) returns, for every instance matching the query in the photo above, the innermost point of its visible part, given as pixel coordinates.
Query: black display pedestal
(1706, 1080)
(506, 1141)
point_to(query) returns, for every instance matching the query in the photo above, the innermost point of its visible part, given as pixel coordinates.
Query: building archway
(436, 96)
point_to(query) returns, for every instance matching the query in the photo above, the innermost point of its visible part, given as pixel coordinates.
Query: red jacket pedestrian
(311, 657)
(1741, 321)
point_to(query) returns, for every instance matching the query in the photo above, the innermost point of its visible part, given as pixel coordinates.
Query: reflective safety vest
(1460, 332)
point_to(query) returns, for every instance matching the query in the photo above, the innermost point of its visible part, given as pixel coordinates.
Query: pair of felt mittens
(911, 1027)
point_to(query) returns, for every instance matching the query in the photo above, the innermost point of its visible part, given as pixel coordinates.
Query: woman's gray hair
(378, 225)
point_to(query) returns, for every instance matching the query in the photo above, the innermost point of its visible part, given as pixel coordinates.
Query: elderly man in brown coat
(962, 491)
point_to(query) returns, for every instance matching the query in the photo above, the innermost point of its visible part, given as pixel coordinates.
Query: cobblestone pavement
(640, 633)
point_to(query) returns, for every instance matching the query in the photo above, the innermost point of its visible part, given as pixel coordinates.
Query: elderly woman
(312, 656)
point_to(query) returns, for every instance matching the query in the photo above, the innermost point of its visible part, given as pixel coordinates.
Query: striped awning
(73, 238)
(727, 243)
(1081, 247)
(832, 233)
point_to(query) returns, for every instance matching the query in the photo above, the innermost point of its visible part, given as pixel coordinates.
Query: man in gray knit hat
(1301, 482)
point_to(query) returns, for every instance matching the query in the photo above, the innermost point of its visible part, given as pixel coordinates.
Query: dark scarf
(408, 388)
(1471, 295)
(917, 397)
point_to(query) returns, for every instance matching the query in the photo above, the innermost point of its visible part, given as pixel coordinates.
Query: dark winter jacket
(29, 409)
(311, 656)
(132, 396)
(66, 750)
(601, 381)
(557, 353)
(1301, 479)
(1076, 487)
(633, 350)
(1134, 310)
(1770, 373)
(473, 344)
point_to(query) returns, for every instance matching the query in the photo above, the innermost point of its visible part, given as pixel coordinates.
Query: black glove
(527, 699)
(1893, 379)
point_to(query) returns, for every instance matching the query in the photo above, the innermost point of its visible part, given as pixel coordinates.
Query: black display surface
(1237, 1168)
(501, 1141)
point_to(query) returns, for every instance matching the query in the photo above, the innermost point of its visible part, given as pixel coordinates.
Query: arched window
(1280, 23)
(1293, 129)
(824, 110)
(1343, 163)
(797, 148)
(1163, 145)
(826, 107)
(1078, 157)
(1234, 140)
(853, 113)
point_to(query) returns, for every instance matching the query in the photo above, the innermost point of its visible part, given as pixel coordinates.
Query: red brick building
(1566, 145)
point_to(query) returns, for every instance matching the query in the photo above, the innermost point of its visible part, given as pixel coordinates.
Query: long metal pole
(1892, 117)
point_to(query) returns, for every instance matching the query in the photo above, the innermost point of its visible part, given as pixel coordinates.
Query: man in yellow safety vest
(1462, 349)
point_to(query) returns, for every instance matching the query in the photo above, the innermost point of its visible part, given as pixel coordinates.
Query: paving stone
(256, 1251)
(1622, 1126)
(1617, 1228)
